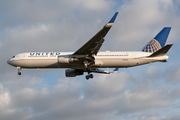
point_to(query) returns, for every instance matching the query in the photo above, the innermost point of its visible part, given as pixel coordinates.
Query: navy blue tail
(158, 42)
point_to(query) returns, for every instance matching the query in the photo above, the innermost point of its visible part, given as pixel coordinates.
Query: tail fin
(158, 42)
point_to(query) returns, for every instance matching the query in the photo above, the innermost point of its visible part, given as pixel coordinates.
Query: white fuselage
(102, 60)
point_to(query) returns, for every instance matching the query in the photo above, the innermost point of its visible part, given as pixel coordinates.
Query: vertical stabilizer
(157, 42)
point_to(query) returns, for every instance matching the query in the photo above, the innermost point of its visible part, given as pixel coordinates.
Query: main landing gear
(19, 70)
(87, 66)
(89, 76)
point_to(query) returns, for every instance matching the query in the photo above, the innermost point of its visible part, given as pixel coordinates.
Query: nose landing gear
(19, 70)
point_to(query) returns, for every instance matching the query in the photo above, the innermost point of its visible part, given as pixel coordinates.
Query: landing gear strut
(87, 65)
(89, 76)
(19, 70)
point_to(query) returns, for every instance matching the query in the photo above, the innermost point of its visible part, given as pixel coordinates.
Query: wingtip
(113, 18)
(116, 70)
(167, 27)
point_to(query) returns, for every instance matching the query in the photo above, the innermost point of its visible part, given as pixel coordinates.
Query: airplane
(89, 59)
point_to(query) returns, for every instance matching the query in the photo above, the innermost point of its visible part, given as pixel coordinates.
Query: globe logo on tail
(152, 46)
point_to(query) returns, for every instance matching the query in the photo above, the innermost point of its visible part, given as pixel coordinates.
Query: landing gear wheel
(19, 70)
(91, 75)
(87, 77)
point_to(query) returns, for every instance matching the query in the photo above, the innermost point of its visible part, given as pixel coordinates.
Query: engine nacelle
(63, 60)
(66, 59)
(73, 72)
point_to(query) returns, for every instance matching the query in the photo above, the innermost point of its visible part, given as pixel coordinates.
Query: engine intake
(73, 72)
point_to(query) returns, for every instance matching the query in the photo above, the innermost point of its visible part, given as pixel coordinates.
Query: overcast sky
(148, 92)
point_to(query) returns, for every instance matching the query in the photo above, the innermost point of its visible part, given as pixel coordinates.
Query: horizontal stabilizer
(163, 60)
(162, 51)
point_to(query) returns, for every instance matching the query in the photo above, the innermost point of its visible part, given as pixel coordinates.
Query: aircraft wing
(94, 44)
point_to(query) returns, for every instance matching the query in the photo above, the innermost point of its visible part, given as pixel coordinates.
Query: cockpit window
(13, 56)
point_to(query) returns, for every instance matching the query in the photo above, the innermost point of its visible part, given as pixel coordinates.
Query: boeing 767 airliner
(89, 59)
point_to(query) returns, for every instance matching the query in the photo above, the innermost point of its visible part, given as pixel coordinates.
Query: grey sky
(148, 92)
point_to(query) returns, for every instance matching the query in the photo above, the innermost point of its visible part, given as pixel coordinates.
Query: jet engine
(73, 72)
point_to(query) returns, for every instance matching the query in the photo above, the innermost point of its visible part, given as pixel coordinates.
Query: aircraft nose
(9, 62)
